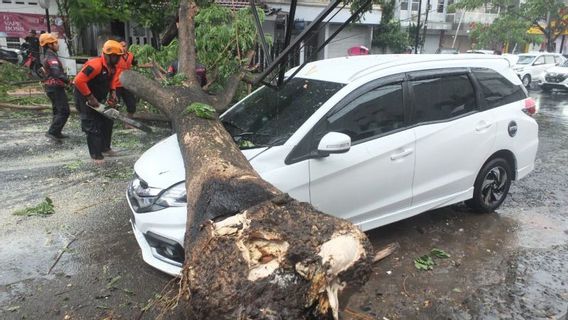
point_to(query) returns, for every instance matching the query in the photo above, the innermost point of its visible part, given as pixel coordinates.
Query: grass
(11, 73)
(118, 173)
(45, 208)
(73, 166)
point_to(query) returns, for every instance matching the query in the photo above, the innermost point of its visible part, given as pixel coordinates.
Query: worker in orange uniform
(92, 86)
(126, 63)
(54, 83)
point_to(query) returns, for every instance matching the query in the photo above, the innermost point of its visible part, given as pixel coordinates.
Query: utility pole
(425, 25)
(45, 5)
(417, 37)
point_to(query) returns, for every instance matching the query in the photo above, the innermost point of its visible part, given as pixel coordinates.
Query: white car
(372, 139)
(532, 66)
(556, 78)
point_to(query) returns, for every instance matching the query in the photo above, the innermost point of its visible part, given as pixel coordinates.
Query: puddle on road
(541, 227)
(29, 257)
(478, 245)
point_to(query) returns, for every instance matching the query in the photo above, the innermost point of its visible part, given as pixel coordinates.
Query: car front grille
(556, 78)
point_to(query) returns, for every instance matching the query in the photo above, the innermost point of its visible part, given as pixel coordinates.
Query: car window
(443, 97)
(539, 61)
(496, 89)
(525, 59)
(549, 60)
(270, 116)
(372, 114)
(557, 59)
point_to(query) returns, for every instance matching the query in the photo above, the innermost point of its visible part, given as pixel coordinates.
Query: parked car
(447, 51)
(11, 55)
(513, 58)
(556, 78)
(480, 51)
(372, 139)
(532, 66)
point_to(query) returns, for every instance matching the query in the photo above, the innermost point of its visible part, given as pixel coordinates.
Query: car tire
(491, 186)
(527, 80)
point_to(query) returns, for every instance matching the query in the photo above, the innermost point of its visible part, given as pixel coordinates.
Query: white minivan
(372, 139)
(531, 67)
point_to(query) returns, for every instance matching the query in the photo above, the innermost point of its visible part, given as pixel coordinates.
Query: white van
(531, 67)
(372, 139)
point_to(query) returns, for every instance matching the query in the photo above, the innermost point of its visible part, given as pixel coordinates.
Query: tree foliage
(549, 16)
(502, 30)
(388, 33)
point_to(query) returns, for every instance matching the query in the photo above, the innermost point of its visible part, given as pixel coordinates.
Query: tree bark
(251, 251)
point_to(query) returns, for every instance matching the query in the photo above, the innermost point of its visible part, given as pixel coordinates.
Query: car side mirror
(334, 142)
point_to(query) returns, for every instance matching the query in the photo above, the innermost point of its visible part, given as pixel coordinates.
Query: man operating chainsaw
(93, 85)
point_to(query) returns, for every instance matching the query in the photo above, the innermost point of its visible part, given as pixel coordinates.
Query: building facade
(444, 28)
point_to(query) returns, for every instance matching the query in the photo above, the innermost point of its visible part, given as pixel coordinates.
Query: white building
(443, 29)
(19, 17)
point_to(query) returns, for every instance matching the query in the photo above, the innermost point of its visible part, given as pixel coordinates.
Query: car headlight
(173, 197)
(147, 199)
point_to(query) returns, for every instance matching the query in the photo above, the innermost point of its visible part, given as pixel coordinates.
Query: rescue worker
(92, 86)
(54, 83)
(126, 62)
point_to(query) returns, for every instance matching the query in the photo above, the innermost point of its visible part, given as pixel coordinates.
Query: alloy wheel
(493, 187)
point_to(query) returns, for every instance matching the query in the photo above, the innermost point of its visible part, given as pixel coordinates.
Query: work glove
(113, 100)
(92, 101)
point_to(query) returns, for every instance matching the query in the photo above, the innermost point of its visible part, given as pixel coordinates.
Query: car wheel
(491, 186)
(526, 80)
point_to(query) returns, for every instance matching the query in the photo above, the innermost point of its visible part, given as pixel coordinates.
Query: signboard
(20, 24)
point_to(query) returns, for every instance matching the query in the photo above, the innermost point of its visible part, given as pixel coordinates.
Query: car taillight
(530, 106)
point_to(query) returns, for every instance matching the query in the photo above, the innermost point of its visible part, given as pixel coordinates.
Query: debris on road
(385, 252)
(43, 209)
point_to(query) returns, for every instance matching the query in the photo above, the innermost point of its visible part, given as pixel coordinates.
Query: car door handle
(483, 125)
(400, 155)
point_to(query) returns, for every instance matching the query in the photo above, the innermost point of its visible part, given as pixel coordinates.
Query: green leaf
(113, 282)
(201, 110)
(244, 144)
(424, 263)
(439, 253)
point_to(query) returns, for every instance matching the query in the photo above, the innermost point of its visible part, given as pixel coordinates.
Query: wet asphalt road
(512, 264)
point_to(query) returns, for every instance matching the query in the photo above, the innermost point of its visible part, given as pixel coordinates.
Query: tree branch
(221, 102)
(148, 90)
(170, 33)
(186, 31)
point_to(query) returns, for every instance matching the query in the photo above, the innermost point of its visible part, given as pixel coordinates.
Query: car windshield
(525, 59)
(270, 116)
(565, 64)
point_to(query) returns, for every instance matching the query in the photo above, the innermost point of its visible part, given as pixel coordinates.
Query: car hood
(161, 166)
(559, 70)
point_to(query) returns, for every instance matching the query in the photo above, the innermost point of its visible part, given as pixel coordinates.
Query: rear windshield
(270, 116)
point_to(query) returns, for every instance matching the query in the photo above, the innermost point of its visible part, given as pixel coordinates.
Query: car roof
(537, 53)
(348, 69)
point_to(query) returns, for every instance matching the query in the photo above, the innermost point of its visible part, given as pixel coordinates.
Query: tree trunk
(251, 251)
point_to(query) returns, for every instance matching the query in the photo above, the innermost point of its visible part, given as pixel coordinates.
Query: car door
(538, 68)
(452, 136)
(374, 178)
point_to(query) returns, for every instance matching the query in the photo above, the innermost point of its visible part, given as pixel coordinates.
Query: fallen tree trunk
(251, 251)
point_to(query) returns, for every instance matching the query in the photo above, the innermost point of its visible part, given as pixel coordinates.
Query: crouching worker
(92, 86)
(54, 84)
